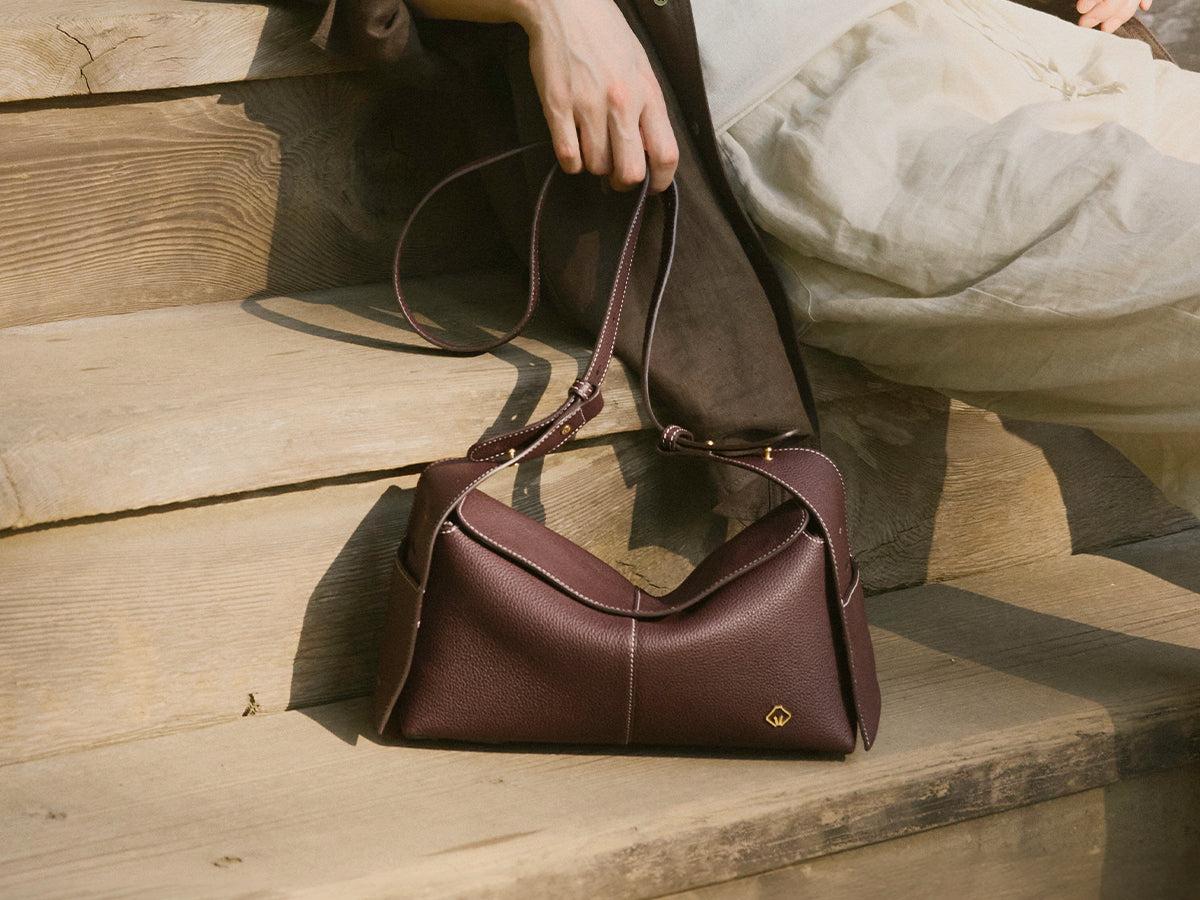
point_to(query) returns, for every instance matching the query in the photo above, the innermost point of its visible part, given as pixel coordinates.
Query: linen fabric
(783, 35)
(983, 199)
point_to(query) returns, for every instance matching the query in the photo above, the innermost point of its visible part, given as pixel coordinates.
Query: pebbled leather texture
(505, 655)
(502, 630)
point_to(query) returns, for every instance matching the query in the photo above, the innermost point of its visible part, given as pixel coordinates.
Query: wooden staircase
(211, 422)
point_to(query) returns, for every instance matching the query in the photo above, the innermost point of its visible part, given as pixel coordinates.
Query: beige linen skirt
(979, 198)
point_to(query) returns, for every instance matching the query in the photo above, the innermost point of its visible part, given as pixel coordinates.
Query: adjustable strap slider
(584, 390)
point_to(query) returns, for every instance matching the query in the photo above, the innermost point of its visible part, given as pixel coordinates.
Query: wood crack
(88, 51)
(9, 486)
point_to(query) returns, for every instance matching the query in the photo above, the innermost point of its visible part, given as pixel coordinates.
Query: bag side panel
(396, 645)
(755, 665)
(503, 656)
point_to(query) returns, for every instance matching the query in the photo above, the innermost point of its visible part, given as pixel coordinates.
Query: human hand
(601, 99)
(1108, 14)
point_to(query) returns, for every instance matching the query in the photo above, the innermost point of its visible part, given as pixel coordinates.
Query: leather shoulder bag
(500, 629)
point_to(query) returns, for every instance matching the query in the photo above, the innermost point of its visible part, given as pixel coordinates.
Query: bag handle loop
(586, 388)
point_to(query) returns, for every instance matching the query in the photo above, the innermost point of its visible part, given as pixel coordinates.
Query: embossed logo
(778, 716)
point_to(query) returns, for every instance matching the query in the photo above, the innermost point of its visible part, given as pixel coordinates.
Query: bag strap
(808, 475)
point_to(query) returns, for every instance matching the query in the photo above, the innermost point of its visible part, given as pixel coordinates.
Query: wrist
(541, 17)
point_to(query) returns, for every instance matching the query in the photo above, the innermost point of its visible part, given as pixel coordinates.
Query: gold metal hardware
(709, 444)
(660, 2)
(512, 451)
(778, 716)
(566, 429)
(767, 454)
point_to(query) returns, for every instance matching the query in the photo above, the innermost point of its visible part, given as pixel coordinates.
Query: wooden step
(144, 624)
(119, 413)
(136, 201)
(1135, 838)
(938, 489)
(278, 597)
(67, 47)
(1000, 691)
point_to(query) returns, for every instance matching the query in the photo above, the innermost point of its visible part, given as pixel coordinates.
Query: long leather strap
(806, 474)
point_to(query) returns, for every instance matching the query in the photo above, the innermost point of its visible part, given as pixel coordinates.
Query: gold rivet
(767, 454)
(709, 444)
(566, 429)
(511, 452)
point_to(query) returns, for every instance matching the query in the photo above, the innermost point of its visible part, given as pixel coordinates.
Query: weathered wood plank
(128, 203)
(994, 698)
(117, 413)
(115, 629)
(225, 398)
(56, 49)
(938, 489)
(1135, 838)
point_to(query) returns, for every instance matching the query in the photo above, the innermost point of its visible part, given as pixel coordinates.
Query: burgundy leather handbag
(500, 629)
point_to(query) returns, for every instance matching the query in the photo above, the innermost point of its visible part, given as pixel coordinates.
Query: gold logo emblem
(778, 716)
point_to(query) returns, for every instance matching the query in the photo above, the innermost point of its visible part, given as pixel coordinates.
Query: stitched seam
(843, 601)
(628, 266)
(824, 526)
(750, 565)
(596, 603)
(529, 562)
(850, 593)
(549, 437)
(444, 459)
(633, 623)
(836, 470)
(504, 437)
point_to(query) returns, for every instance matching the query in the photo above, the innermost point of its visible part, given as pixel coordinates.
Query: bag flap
(589, 580)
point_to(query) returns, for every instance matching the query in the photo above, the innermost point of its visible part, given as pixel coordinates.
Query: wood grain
(116, 629)
(57, 49)
(938, 489)
(180, 197)
(120, 413)
(1135, 838)
(995, 696)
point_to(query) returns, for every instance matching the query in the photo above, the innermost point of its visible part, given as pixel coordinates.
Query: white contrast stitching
(628, 267)
(781, 545)
(529, 562)
(836, 470)
(633, 623)
(605, 606)
(512, 434)
(812, 509)
(853, 584)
